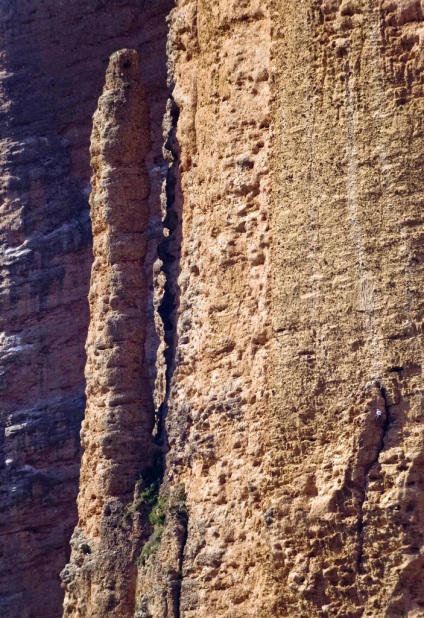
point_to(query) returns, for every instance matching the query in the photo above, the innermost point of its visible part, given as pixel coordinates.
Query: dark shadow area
(169, 252)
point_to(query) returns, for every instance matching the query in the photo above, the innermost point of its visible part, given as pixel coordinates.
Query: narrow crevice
(169, 251)
(180, 568)
(169, 254)
(384, 420)
(167, 499)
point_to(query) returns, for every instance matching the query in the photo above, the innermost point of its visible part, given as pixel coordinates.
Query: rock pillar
(116, 433)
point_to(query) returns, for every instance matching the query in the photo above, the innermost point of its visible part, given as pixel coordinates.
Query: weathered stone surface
(294, 410)
(119, 418)
(53, 58)
(346, 534)
(217, 395)
(290, 397)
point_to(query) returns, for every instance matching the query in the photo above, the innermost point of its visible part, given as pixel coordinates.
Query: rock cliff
(53, 60)
(346, 362)
(278, 468)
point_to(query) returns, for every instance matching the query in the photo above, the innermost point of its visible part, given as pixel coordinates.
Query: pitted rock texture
(212, 564)
(53, 57)
(290, 394)
(345, 530)
(119, 417)
(295, 400)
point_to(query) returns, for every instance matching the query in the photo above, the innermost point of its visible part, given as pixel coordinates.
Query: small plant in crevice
(174, 507)
(157, 516)
(146, 497)
(157, 519)
(146, 491)
(150, 547)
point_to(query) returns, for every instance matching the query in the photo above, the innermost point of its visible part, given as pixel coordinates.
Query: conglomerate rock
(53, 57)
(346, 447)
(217, 395)
(119, 419)
(288, 383)
(295, 401)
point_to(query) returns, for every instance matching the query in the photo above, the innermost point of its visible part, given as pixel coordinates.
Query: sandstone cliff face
(216, 399)
(347, 357)
(294, 407)
(53, 60)
(288, 383)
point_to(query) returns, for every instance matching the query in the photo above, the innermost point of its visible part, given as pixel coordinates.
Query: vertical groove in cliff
(215, 413)
(178, 612)
(156, 572)
(278, 489)
(53, 61)
(117, 430)
(169, 255)
(376, 427)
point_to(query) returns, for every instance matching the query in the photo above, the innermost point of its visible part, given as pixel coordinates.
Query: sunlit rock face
(284, 317)
(295, 404)
(346, 365)
(119, 418)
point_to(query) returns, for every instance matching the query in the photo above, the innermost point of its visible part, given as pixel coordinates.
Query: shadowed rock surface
(53, 59)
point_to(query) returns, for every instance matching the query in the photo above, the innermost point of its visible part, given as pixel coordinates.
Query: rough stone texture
(290, 403)
(299, 442)
(346, 533)
(53, 57)
(216, 399)
(119, 417)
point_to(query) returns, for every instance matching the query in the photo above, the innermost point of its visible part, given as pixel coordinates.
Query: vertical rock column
(116, 433)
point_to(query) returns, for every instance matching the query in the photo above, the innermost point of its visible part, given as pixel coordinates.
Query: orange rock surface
(270, 379)
(116, 432)
(294, 410)
(53, 57)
